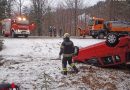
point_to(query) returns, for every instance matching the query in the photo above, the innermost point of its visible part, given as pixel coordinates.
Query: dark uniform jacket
(67, 48)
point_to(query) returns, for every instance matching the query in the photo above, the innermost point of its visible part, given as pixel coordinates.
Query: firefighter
(60, 32)
(50, 31)
(67, 50)
(54, 31)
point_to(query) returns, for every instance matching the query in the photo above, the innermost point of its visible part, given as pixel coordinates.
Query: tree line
(65, 15)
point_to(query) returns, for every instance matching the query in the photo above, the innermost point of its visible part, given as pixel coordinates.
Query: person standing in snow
(54, 31)
(50, 31)
(67, 49)
(60, 32)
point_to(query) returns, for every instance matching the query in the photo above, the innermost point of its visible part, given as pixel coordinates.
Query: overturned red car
(114, 51)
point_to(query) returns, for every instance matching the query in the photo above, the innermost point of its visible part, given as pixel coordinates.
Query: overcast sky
(86, 2)
(55, 2)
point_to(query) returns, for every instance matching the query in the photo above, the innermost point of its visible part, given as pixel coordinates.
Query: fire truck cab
(96, 27)
(16, 27)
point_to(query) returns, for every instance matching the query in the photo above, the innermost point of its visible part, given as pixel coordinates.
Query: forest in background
(65, 15)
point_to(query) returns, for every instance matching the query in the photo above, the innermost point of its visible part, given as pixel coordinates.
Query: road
(35, 37)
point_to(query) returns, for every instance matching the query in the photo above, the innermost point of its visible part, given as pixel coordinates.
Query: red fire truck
(18, 26)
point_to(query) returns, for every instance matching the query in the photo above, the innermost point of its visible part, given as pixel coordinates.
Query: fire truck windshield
(26, 22)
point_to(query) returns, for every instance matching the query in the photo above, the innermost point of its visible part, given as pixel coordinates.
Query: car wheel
(112, 40)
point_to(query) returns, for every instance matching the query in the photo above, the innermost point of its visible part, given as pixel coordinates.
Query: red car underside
(102, 55)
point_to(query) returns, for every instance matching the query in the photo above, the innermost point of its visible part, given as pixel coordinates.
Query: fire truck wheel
(83, 36)
(101, 36)
(93, 36)
(112, 40)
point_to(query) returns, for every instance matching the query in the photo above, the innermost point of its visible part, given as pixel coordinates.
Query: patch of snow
(27, 62)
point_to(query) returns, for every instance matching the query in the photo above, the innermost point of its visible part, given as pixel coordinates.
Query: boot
(64, 72)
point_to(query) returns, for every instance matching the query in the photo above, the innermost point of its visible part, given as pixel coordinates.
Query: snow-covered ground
(27, 62)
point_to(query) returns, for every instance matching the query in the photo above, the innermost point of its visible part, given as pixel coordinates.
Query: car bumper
(22, 32)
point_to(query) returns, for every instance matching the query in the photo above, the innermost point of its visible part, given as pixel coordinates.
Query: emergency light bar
(20, 18)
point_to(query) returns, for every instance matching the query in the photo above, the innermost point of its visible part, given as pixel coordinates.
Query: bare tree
(9, 7)
(111, 10)
(39, 9)
(2, 8)
(66, 14)
(6, 8)
(19, 4)
(75, 5)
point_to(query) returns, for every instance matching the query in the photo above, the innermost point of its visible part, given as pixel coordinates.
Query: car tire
(112, 39)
